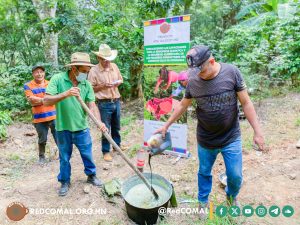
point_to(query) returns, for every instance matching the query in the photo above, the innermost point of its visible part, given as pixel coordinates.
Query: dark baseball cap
(37, 66)
(197, 55)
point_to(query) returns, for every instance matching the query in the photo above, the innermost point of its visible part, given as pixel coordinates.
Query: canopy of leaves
(260, 37)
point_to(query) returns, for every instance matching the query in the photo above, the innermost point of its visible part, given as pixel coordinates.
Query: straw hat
(106, 52)
(80, 59)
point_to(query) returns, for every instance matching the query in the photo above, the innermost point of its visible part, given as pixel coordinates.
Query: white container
(155, 141)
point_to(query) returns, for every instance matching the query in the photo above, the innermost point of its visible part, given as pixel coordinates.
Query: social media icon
(287, 211)
(221, 211)
(274, 211)
(234, 211)
(261, 211)
(248, 211)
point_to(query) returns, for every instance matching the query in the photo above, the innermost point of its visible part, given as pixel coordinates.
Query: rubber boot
(42, 149)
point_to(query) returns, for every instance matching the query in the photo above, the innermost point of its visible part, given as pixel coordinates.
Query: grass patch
(16, 172)
(127, 124)
(13, 157)
(128, 120)
(194, 218)
(274, 92)
(133, 150)
(227, 220)
(5, 120)
(139, 129)
(24, 116)
(248, 144)
(110, 222)
(124, 133)
(297, 123)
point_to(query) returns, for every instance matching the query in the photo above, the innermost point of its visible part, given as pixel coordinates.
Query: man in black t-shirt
(216, 87)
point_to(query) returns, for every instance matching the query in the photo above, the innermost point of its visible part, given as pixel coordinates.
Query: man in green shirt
(71, 120)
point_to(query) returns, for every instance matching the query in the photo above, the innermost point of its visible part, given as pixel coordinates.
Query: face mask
(81, 77)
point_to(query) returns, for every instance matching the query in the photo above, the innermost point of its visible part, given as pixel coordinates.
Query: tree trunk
(51, 48)
(47, 9)
(136, 81)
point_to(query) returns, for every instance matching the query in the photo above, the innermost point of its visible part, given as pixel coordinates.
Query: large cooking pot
(145, 215)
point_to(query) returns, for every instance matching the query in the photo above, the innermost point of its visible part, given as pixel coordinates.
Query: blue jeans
(110, 115)
(232, 155)
(83, 141)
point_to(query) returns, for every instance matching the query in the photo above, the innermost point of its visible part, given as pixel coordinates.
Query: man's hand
(259, 140)
(102, 86)
(34, 100)
(251, 116)
(163, 130)
(73, 91)
(94, 109)
(108, 85)
(103, 128)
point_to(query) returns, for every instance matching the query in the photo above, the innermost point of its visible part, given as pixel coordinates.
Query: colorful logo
(16, 211)
(165, 27)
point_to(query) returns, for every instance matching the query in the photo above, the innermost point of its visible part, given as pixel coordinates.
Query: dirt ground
(272, 178)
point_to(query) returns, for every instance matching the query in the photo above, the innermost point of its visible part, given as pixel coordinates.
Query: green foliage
(256, 13)
(264, 52)
(11, 88)
(286, 60)
(209, 21)
(20, 34)
(148, 115)
(12, 82)
(122, 31)
(150, 77)
(5, 120)
(250, 10)
(245, 48)
(266, 49)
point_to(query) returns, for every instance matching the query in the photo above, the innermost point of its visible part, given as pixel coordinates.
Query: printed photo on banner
(166, 42)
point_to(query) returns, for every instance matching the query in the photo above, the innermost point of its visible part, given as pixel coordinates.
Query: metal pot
(142, 215)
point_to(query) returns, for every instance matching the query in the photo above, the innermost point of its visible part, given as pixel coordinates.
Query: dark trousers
(110, 116)
(42, 130)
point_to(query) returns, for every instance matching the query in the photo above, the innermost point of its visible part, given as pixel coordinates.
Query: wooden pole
(116, 147)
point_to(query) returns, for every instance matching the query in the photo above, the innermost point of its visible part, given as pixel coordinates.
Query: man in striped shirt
(43, 116)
